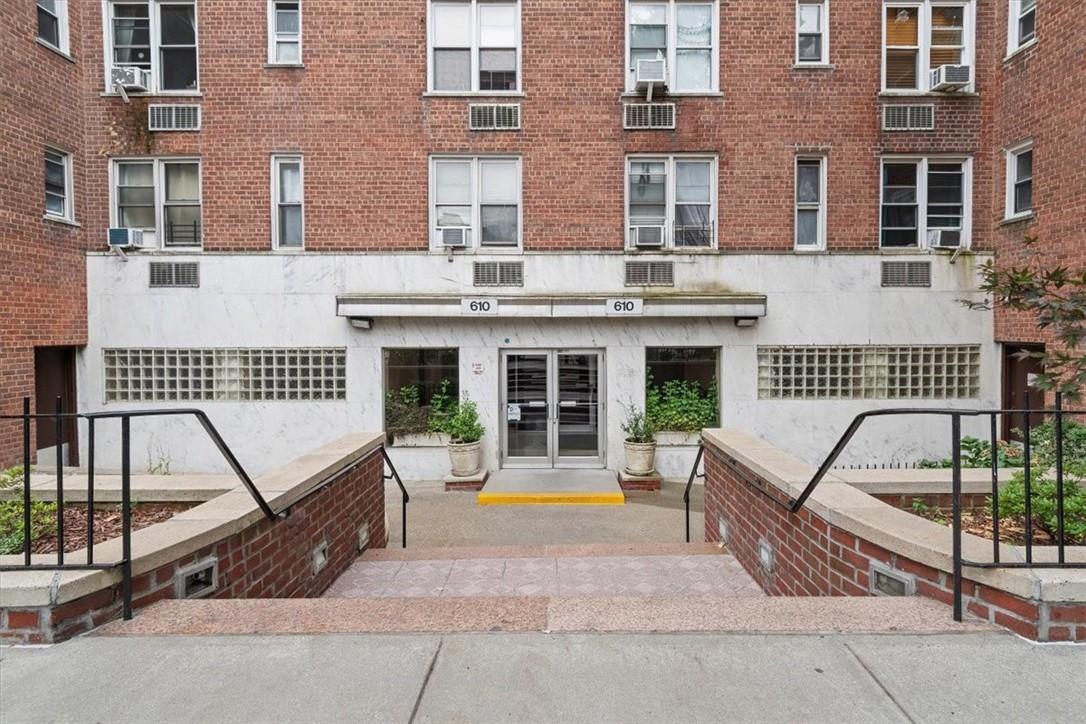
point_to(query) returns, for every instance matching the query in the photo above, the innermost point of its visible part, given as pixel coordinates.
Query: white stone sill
(678, 439)
(931, 481)
(421, 440)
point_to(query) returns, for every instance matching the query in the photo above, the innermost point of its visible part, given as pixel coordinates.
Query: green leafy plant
(43, 522)
(463, 426)
(681, 406)
(11, 478)
(977, 453)
(637, 426)
(442, 407)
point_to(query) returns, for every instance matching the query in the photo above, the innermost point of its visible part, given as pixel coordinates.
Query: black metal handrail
(405, 498)
(690, 482)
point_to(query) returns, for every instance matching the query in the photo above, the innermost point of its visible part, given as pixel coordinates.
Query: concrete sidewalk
(539, 677)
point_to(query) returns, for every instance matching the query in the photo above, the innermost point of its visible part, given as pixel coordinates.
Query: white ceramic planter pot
(640, 457)
(466, 458)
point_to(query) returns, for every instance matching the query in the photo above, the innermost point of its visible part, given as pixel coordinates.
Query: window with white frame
(159, 37)
(812, 32)
(1021, 23)
(161, 197)
(58, 185)
(684, 34)
(475, 202)
(810, 203)
(918, 37)
(671, 202)
(53, 23)
(926, 203)
(1020, 180)
(284, 33)
(474, 47)
(288, 218)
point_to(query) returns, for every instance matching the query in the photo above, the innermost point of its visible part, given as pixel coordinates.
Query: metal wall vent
(650, 274)
(906, 273)
(908, 118)
(175, 274)
(494, 116)
(499, 273)
(648, 116)
(171, 117)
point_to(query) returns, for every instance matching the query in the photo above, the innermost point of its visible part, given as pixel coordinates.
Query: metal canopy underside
(557, 307)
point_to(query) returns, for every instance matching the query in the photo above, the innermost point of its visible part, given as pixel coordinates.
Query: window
(926, 203)
(53, 23)
(921, 36)
(671, 202)
(420, 385)
(284, 33)
(476, 202)
(160, 196)
(1020, 180)
(1021, 23)
(288, 218)
(159, 37)
(810, 204)
(684, 34)
(474, 47)
(681, 388)
(812, 32)
(58, 185)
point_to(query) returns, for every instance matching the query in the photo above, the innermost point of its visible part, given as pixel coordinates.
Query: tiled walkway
(661, 575)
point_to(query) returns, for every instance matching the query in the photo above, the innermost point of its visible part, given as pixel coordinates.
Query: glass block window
(870, 373)
(225, 375)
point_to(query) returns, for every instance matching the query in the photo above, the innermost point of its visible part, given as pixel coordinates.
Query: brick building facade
(314, 305)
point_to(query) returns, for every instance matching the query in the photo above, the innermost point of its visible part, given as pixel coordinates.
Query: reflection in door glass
(526, 398)
(578, 405)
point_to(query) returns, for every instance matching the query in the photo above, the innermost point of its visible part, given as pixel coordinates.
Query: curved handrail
(689, 483)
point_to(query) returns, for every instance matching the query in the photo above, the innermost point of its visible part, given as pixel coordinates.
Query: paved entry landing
(552, 487)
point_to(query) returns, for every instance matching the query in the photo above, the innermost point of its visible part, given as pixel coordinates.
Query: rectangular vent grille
(175, 274)
(908, 118)
(499, 273)
(650, 274)
(649, 116)
(173, 117)
(494, 116)
(906, 273)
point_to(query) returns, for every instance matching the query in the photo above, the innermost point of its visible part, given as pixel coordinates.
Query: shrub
(977, 453)
(406, 414)
(463, 426)
(11, 477)
(43, 522)
(681, 406)
(637, 426)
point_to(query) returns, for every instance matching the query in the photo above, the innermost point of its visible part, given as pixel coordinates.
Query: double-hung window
(58, 185)
(812, 32)
(156, 36)
(810, 203)
(1020, 180)
(288, 218)
(926, 203)
(1021, 23)
(284, 33)
(670, 202)
(53, 23)
(684, 34)
(474, 47)
(475, 202)
(161, 197)
(918, 37)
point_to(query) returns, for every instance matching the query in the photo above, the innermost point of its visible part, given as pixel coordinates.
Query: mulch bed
(979, 523)
(107, 524)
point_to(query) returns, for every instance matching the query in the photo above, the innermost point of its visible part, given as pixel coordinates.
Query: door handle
(568, 403)
(537, 403)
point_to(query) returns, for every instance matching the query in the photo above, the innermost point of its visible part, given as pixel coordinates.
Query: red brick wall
(42, 272)
(271, 559)
(814, 558)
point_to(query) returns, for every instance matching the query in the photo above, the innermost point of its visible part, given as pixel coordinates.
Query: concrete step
(513, 486)
(563, 550)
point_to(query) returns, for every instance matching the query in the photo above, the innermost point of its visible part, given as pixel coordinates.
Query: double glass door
(552, 408)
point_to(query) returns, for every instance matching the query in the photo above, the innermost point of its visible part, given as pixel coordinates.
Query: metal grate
(648, 116)
(173, 117)
(906, 273)
(908, 118)
(175, 274)
(650, 274)
(221, 375)
(499, 273)
(869, 372)
(494, 116)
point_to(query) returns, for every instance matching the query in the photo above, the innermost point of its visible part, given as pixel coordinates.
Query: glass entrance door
(553, 405)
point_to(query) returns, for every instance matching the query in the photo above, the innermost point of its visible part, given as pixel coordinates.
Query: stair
(514, 486)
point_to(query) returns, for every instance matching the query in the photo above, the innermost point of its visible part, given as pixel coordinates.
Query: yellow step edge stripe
(615, 498)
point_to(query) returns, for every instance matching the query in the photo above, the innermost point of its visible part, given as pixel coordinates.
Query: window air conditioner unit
(131, 77)
(120, 238)
(649, 73)
(950, 77)
(647, 236)
(454, 236)
(937, 240)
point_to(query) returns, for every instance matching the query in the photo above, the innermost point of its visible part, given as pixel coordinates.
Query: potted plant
(640, 443)
(465, 431)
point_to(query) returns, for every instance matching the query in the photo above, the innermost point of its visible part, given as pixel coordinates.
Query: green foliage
(11, 477)
(43, 522)
(463, 425)
(977, 453)
(637, 426)
(406, 414)
(681, 406)
(442, 407)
